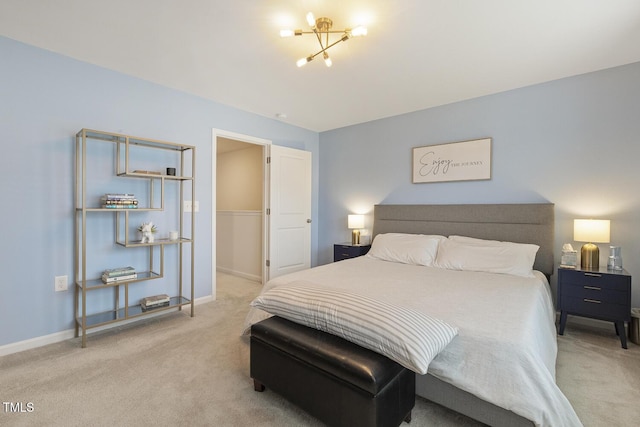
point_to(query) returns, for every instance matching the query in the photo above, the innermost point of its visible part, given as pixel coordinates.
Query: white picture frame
(454, 161)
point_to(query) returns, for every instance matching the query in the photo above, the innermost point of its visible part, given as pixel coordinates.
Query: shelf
(122, 139)
(136, 158)
(155, 176)
(99, 284)
(100, 319)
(119, 209)
(156, 242)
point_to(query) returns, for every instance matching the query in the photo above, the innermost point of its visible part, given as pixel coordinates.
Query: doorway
(240, 200)
(274, 224)
(239, 194)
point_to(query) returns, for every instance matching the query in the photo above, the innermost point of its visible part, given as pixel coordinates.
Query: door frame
(266, 144)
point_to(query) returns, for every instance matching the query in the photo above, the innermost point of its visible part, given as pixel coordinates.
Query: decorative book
(155, 301)
(107, 279)
(119, 201)
(120, 271)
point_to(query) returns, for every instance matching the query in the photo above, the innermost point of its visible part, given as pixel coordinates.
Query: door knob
(308, 220)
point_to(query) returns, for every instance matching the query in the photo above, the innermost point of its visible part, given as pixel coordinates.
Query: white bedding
(506, 348)
(409, 337)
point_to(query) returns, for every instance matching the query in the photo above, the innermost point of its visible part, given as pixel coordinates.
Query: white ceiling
(418, 53)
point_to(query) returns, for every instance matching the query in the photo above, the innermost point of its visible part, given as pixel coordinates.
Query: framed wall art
(455, 161)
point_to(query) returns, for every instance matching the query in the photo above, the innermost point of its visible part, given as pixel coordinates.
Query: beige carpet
(175, 370)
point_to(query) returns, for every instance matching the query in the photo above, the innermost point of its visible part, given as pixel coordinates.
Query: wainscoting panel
(239, 243)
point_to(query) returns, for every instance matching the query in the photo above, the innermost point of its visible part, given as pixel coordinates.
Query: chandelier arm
(330, 31)
(341, 39)
(319, 36)
(324, 49)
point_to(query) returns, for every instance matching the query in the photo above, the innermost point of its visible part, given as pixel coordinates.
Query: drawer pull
(593, 274)
(593, 301)
(345, 254)
(593, 288)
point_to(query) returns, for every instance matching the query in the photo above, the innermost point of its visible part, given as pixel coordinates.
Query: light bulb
(311, 20)
(359, 31)
(303, 61)
(327, 60)
(286, 33)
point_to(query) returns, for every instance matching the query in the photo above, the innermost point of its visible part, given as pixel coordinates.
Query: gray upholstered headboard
(520, 223)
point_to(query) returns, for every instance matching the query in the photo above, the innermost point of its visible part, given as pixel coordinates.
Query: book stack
(155, 301)
(119, 201)
(119, 274)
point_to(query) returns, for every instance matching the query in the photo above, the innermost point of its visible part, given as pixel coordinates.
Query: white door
(290, 211)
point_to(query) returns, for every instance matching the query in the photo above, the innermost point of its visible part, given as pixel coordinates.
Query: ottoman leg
(258, 386)
(407, 419)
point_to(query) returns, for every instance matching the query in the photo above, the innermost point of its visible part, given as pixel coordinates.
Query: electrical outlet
(61, 283)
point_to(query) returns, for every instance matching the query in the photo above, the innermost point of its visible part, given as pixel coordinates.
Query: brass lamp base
(590, 257)
(355, 237)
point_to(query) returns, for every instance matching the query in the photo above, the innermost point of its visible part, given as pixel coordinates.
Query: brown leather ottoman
(338, 382)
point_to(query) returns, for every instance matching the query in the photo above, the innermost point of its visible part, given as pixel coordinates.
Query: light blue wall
(574, 142)
(45, 98)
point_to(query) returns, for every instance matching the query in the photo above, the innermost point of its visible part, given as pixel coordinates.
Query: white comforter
(506, 348)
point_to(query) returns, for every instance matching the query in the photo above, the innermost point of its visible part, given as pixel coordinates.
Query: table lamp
(591, 231)
(355, 223)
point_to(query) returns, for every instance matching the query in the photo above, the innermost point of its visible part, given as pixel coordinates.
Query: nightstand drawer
(599, 292)
(344, 251)
(596, 309)
(595, 279)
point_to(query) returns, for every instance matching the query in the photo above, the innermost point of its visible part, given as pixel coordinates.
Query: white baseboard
(36, 342)
(70, 333)
(252, 277)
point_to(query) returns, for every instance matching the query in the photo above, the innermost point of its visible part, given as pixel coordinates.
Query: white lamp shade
(355, 221)
(592, 230)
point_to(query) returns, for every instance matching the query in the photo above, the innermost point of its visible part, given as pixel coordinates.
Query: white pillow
(491, 256)
(418, 249)
(406, 336)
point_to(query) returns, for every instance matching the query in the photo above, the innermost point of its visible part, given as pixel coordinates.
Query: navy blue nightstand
(599, 294)
(347, 250)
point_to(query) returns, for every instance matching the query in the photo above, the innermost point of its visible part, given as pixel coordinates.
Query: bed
(500, 368)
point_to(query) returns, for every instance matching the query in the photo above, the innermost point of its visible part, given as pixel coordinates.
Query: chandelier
(321, 27)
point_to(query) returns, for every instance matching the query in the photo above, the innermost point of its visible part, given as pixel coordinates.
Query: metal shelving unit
(185, 159)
